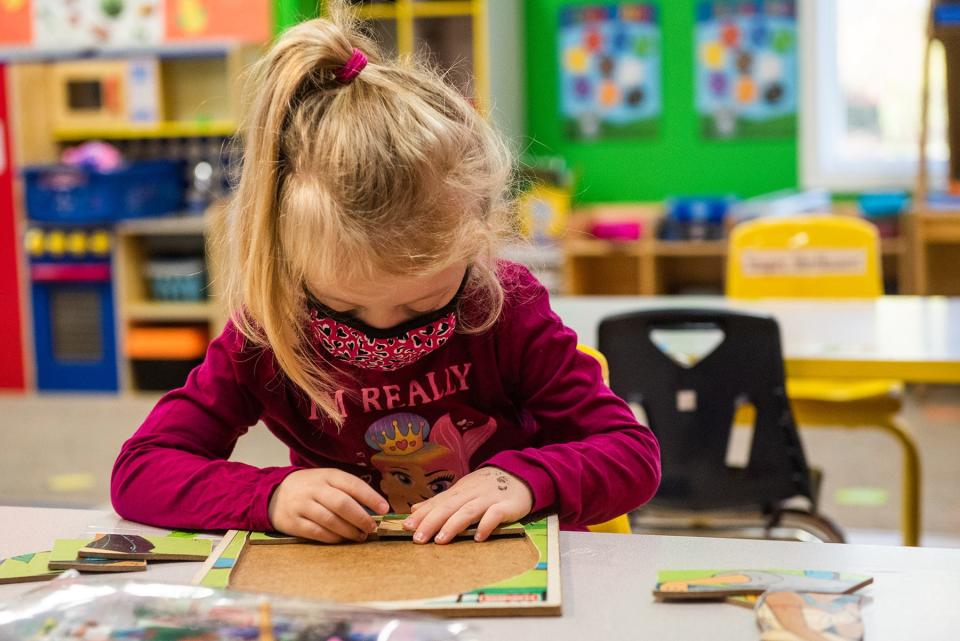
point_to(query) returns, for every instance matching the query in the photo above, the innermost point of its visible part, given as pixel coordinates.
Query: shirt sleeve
(593, 460)
(173, 472)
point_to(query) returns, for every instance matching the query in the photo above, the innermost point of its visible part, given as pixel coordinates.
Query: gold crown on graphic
(407, 438)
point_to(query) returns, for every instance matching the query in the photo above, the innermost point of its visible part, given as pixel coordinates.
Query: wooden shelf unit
(934, 233)
(134, 305)
(654, 267)
(171, 129)
(455, 34)
(935, 249)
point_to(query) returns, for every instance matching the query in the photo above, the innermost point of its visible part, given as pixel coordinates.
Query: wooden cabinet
(935, 248)
(653, 267)
(478, 42)
(138, 243)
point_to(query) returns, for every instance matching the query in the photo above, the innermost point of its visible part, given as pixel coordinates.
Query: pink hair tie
(352, 68)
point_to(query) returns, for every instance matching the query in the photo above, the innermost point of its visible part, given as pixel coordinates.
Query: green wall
(287, 13)
(678, 161)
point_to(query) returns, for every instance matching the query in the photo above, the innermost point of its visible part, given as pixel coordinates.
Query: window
(861, 75)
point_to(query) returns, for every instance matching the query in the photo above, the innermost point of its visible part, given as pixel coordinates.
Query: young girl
(374, 332)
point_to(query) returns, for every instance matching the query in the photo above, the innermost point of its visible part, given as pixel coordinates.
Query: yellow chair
(823, 256)
(621, 524)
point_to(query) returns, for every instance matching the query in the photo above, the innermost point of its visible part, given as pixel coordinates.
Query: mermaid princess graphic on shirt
(416, 460)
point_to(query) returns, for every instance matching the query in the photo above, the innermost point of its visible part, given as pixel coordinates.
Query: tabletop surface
(607, 579)
(895, 331)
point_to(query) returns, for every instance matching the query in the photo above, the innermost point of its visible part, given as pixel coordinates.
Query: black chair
(690, 406)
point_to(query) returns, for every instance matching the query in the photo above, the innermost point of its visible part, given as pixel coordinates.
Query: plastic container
(695, 218)
(883, 209)
(946, 15)
(177, 279)
(617, 230)
(80, 195)
(163, 357)
(100, 609)
(881, 204)
(781, 203)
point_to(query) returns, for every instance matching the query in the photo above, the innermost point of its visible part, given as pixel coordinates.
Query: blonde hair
(392, 173)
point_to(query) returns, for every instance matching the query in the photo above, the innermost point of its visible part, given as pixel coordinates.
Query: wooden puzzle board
(501, 577)
(380, 570)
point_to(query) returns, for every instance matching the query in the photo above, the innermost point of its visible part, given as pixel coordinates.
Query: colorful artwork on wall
(58, 25)
(746, 68)
(610, 71)
(15, 23)
(218, 19)
(71, 24)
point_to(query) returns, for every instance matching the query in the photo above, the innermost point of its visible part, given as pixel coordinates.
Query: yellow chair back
(621, 524)
(810, 256)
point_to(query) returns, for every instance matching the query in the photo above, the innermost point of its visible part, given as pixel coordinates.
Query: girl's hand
(488, 495)
(325, 505)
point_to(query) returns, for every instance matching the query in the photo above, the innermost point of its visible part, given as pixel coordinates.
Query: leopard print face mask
(352, 341)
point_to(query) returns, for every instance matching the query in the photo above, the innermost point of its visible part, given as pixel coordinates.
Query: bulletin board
(52, 25)
(218, 20)
(610, 71)
(746, 68)
(68, 24)
(510, 576)
(15, 23)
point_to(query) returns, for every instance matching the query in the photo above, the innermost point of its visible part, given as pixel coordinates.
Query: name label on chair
(803, 262)
(687, 400)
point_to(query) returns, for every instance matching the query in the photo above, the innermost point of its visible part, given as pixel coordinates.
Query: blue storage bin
(884, 204)
(177, 279)
(79, 195)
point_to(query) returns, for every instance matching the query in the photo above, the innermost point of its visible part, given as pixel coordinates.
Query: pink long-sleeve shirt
(519, 396)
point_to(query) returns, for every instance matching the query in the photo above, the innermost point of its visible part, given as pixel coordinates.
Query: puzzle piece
(718, 584)
(146, 548)
(65, 557)
(808, 616)
(389, 526)
(26, 567)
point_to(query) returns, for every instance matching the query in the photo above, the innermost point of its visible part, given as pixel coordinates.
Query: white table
(910, 338)
(607, 580)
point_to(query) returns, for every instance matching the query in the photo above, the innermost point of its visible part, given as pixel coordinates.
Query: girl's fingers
(347, 508)
(310, 530)
(360, 491)
(420, 511)
(494, 516)
(322, 516)
(460, 521)
(431, 523)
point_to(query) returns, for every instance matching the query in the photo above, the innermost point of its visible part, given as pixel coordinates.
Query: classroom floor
(58, 450)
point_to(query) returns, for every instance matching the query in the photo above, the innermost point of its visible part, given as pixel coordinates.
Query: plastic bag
(103, 610)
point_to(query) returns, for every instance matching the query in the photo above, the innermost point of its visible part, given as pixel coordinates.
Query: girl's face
(389, 301)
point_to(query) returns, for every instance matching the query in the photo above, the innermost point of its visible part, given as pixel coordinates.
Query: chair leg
(910, 516)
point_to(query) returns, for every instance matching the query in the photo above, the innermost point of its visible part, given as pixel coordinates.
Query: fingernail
(363, 536)
(384, 507)
(441, 538)
(476, 537)
(408, 523)
(371, 528)
(419, 537)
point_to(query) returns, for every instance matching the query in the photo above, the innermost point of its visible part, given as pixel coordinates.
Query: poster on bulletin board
(746, 68)
(243, 20)
(73, 24)
(610, 71)
(58, 25)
